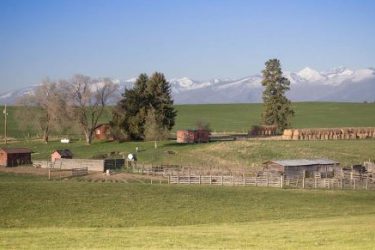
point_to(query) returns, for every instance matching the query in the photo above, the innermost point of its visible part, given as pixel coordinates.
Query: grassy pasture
(236, 154)
(240, 117)
(39, 214)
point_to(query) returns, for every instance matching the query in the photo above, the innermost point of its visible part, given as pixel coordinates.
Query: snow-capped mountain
(339, 84)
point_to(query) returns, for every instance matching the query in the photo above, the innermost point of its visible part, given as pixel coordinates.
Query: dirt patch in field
(91, 177)
(25, 170)
(122, 177)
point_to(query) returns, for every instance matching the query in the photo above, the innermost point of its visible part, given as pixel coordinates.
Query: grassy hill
(234, 155)
(240, 117)
(75, 215)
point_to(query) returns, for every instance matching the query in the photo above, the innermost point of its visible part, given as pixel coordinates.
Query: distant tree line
(145, 112)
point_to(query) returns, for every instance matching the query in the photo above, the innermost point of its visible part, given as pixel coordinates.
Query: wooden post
(178, 178)
(210, 179)
(354, 184)
(49, 174)
(256, 181)
(222, 180)
(200, 179)
(267, 180)
(366, 182)
(315, 182)
(281, 181)
(243, 179)
(169, 179)
(151, 180)
(303, 179)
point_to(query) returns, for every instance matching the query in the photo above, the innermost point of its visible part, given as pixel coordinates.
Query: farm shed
(303, 168)
(193, 136)
(61, 153)
(103, 132)
(90, 164)
(10, 157)
(263, 130)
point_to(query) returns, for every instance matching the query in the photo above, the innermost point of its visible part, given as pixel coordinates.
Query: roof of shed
(16, 150)
(304, 162)
(64, 152)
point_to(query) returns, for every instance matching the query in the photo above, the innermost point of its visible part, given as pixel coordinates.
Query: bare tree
(44, 109)
(87, 99)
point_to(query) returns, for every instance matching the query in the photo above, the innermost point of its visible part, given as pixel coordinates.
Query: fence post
(268, 180)
(303, 178)
(210, 179)
(243, 179)
(200, 179)
(366, 182)
(178, 178)
(281, 181)
(169, 179)
(222, 180)
(151, 180)
(256, 181)
(315, 182)
(354, 184)
(49, 174)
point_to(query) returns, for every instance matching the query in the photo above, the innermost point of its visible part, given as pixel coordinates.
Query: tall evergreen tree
(277, 108)
(160, 99)
(130, 113)
(148, 95)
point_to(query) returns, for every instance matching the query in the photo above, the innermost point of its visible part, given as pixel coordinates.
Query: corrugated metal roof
(304, 162)
(16, 150)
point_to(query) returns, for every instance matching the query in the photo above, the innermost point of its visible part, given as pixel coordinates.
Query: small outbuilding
(11, 157)
(303, 168)
(103, 132)
(193, 136)
(61, 154)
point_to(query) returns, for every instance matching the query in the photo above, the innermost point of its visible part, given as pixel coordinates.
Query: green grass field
(37, 214)
(235, 154)
(240, 117)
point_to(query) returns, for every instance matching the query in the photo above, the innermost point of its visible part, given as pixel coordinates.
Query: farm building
(303, 168)
(10, 157)
(103, 132)
(263, 130)
(61, 153)
(193, 136)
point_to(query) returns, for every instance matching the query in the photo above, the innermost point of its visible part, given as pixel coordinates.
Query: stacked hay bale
(329, 134)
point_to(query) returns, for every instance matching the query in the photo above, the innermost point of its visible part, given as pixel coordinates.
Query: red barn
(193, 136)
(103, 132)
(10, 157)
(64, 153)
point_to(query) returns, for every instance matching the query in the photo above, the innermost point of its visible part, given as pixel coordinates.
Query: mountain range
(339, 84)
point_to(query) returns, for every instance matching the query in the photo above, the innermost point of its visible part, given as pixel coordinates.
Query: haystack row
(329, 133)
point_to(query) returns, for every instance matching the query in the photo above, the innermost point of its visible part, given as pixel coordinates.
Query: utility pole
(5, 124)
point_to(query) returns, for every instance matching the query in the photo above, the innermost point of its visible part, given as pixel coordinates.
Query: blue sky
(195, 38)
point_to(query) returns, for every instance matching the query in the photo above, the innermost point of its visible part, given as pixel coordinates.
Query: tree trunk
(45, 134)
(88, 137)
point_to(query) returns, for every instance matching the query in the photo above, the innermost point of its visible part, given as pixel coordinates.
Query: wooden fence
(356, 183)
(64, 173)
(222, 180)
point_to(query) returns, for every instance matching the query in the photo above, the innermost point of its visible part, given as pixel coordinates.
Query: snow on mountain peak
(310, 74)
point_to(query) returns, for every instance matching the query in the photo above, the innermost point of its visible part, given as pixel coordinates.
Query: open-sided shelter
(11, 157)
(303, 168)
